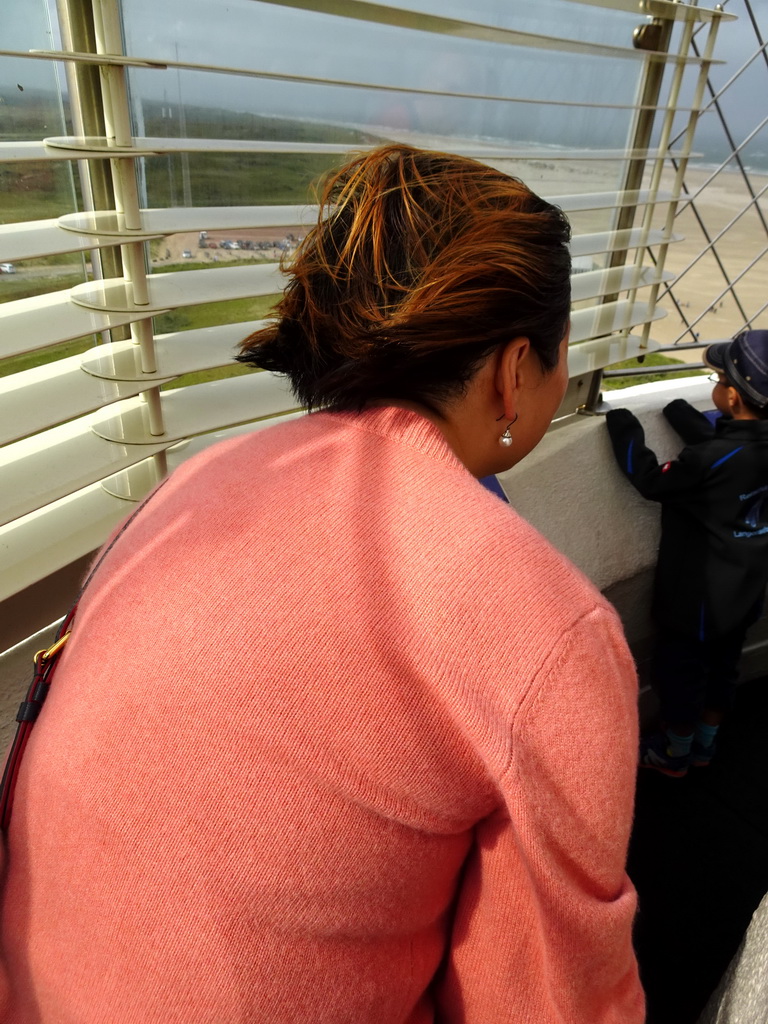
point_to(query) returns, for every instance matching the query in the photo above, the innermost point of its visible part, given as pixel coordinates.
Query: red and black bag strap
(45, 662)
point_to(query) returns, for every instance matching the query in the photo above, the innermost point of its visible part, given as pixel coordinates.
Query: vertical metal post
(682, 165)
(117, 118)
(86, 107)
(656, 35)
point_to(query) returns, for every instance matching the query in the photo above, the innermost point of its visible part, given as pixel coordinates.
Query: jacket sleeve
(543, 927)
(692, 425)
(641, 467)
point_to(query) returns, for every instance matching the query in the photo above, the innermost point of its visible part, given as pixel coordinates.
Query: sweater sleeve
(543, 926)
(641, 467)
(692, 425)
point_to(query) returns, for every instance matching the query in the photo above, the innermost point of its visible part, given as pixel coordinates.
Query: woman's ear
(511, 372)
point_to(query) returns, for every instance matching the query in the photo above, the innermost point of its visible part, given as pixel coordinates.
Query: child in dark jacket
(713, 556)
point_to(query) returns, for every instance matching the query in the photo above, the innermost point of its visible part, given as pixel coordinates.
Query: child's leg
(678, 672)
(724, 654)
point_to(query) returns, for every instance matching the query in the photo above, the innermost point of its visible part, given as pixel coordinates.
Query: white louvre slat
(198, 409)
(202, 348)
(45, 396)
(81, 57)
(183, 288)
(27, 325)
(186, 449)
(600, 352)
(213, 218)
(22, 152)
(667, 9)
(48, 466)
(596, 321)
(104, 147)
(50, 538)
(587, 201)
(79, 232)
(74, 148)
(133, 483)
(56, 535)
(595, 283)
(47, 238)
(617, 241)
(383, 14)
(343, 83)
(82, 231)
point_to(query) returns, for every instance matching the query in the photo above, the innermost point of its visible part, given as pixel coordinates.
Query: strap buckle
(50, 652)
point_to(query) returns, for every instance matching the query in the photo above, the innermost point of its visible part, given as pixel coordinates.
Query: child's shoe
(654, 753)
(701, 756)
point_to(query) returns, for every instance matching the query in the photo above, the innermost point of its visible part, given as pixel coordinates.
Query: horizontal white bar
(22, 152)
(210, 218)
(198, 409)
(116, 60)
(73, 148)
(669, 10)
(594, 355)
(34, 239)
(615, 241)
(41, 469)
(383, 14)
(363, 10)
(48, 466)
(27, 325)
(191, 446)
(82, 57)
(140, 146)
(201, 348)
(80, 232)
(49, 538)
(183, 288)
(582, 202)
(597, 321)
(596, 283)
(36, 399)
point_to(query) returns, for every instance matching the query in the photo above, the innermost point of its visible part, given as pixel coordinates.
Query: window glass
(530, 86)
(32, 108)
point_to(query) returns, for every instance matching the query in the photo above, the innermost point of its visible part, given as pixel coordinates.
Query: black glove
(620, 419)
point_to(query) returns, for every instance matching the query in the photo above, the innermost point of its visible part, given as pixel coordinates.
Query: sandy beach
(722, 204)
(740, 238)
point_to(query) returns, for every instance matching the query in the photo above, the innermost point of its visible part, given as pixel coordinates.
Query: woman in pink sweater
(338, 738)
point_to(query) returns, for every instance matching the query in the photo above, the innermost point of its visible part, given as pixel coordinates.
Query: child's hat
(744, 361)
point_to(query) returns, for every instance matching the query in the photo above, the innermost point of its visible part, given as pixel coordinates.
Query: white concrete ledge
(571, 489)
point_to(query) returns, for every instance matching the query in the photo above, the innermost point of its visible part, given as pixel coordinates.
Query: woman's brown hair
(421, 264)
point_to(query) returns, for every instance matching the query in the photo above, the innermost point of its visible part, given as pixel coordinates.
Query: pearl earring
(506, 438)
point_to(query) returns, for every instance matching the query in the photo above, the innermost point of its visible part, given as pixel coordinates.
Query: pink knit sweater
(339, 739)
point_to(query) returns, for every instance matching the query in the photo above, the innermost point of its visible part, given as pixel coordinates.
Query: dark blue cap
(744, 361)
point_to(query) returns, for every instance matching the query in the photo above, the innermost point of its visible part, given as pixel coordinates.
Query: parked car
(7, 268)
(187, 255)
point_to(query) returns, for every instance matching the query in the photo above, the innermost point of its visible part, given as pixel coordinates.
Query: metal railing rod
(711, 242)
(652, 371)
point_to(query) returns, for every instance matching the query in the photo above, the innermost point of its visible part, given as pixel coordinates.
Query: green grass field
(614, 383)
(205, 315)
